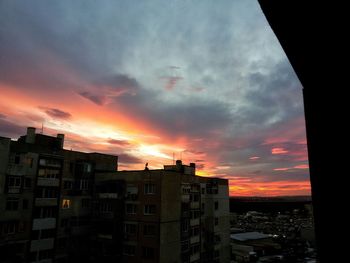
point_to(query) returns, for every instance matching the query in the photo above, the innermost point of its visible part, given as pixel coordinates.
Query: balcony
(46, 201)
(194, 205)
(41, 244)
(194, 257)
(108, 195)
(47, 260)
(42, 181)
(194, 222)
(44, 223)
(16, 169)
(194, 239)
(185, 198)
(14, 190)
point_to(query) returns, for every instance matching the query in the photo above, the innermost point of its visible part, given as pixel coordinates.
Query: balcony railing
(42, 181)
(46, 201)
(44, 223)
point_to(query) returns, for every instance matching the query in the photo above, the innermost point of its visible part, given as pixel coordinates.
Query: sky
(152, 81)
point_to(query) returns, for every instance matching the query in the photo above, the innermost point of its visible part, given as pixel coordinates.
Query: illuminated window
(66, 203)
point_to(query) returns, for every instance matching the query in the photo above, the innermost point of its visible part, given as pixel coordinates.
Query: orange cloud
(278, 151)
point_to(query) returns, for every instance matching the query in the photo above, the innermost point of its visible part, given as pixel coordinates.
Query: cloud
(97, 99)
(9, 129)
(128, 159)
(56, 113)
(118, 142)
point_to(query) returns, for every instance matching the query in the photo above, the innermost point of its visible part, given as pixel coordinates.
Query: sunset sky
(204, 81)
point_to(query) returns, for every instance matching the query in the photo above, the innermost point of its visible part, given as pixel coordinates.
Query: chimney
(30, 137)
(193, 165)
(60, 136)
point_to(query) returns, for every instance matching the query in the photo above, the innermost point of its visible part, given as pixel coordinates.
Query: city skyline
(200, 81)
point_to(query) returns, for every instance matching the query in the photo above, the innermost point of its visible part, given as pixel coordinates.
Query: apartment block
(59, 205)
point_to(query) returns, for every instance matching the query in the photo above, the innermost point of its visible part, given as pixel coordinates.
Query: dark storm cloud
(56, 113)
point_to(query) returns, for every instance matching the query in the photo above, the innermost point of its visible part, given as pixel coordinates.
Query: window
(130, 229)
(66, 203)
(150, 189)
(195, 214)
(148, 253)
(203, 191)
(12, 204)
(131, 209)
(67, 184)
(47, 233)
(216, 221)
(105, 207)
(44, 254)
(65, 222)
(194, 231)
(184, 225)
(149, 230)
(62, 243)
(84, 184)
(216, 205)
(71, 167)
(85, 203)
(194, 197)
(129, 250)
(149, 209)
(195, 249)
(9, 228)
(14, 182)
(216, 253)
(17, 159)
(29, 161)
(25, 203)
(27, 182)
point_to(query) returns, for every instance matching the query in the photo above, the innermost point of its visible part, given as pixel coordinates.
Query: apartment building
(45, 196)
(59, 205)
(171, 215)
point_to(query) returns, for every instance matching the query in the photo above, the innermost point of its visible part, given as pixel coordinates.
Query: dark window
(27, 182)
(62, 243)
(203, 190)
(149, 209)
(129, 250)
(149, 230)
(130, 229)
(64, 222)
(131, 209)
(25, 204)
(216, 205)
(67, 185)
(150, 188)
(216, 222)
(12, 204)
(14, 182)
(17, 159)
(148, 253)
(85, 203)
(47, 233)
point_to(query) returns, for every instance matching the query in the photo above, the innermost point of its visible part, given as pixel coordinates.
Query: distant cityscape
(59, 205)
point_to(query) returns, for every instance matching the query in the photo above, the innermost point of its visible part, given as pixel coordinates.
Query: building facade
(60, 205)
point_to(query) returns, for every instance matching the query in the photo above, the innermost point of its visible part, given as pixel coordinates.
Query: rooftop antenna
(173, 158)
(42, 127)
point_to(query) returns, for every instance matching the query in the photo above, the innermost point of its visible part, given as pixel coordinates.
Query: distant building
(58, 205)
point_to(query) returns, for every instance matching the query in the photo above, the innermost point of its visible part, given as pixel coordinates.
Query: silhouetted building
(59, 205)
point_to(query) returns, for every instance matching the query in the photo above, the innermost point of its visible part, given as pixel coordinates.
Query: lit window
(66, 203)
